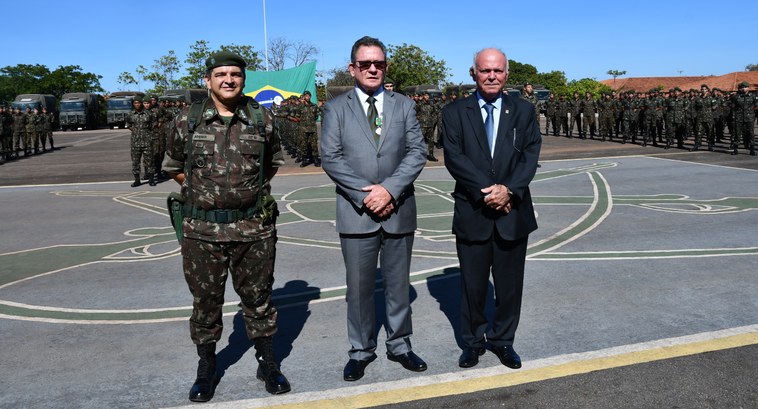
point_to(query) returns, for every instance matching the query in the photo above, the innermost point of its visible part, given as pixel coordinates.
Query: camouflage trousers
(589, 124)
(31, 140)
(744, 130)
(158, 148)
(428, 132)
(19, 141)
(206, 266)
(145, 155)
(308, 145)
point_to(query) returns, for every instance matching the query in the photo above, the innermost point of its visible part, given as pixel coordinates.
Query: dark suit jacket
(468, 159)
(352, 158)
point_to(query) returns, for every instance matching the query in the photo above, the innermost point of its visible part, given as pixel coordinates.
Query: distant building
(727, 82)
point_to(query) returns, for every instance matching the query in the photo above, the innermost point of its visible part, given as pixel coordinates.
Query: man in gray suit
(372, 148)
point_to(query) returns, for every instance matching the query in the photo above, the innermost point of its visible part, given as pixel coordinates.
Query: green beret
(306, 92)
(388, 80)
(744, 84)
(677, 89)
(224, 58)
(137, 98)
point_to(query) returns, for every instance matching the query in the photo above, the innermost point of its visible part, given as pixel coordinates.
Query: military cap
(704, 86)
(306, 92)
(527, 83)
(224, 58)
(388, 80)
(137, 98)
(744, 84)
(676, 89)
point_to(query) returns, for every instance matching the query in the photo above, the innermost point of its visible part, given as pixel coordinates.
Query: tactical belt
(221, 215)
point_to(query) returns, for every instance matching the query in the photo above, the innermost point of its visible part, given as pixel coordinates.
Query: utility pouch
(268, 209)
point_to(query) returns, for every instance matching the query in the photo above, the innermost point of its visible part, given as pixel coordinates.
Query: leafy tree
(339, 77)
(195, 68)
(247, 53)
(519, 73)
(38, 79)
(126, 78)
(751, 67)
(553, 80)
(585, 85)
(409, 65)
(614, 74)
(165, 69)
(70, 78)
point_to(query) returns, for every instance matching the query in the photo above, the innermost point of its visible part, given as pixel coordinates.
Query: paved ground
(641, 289)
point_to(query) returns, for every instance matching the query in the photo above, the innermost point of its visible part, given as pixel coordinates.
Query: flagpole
(265, 34)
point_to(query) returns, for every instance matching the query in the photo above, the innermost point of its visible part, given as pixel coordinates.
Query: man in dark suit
(372, 148)
(492, 143)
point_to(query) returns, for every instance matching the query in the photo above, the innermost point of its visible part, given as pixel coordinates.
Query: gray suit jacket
(353, 160)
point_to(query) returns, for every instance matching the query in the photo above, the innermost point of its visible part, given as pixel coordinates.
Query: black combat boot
(136, 181)
(268, 371)
(205, 383)
(151, 179)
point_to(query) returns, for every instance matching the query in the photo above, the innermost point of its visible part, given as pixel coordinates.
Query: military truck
(432, 90)
(189, 95)
(39, 101)
(119, 107)
(79, 110)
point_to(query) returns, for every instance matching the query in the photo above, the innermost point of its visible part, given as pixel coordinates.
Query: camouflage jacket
(425, 114)
(675, 110)
(142, 124)
(19, 122)
(308, 114)
(31, 122)
(225, 162)
(588, 107)
(743, 107)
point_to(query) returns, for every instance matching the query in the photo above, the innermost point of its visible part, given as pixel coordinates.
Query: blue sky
(584, 39)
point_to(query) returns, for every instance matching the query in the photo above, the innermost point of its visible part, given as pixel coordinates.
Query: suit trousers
(361, 253)
(505, 259)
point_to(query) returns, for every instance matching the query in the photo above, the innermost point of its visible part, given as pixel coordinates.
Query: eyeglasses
(365, 65)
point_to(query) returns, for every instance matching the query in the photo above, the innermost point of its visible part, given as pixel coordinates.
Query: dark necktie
(373, 118)
(489, 124)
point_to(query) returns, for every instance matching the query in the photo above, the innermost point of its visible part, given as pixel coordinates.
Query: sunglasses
(365, 65)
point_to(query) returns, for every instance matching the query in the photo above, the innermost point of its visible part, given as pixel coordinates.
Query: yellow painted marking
(523, 376)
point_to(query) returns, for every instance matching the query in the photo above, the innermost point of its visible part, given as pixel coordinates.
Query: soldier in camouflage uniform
(307, 114)
(605, 117)
(719, 120)
(703, 111)
(575, 109)
(142, 123)
(30, 135)
(19, 132)
(675, 115)
(223, 152)
(562, 112)
(588, 115)
(425, 113)
(530, 96)
(39, 130)
(743, 111)
(551, 117)
(6, 140)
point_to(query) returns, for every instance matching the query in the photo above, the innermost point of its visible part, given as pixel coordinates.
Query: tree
(751, 67)
(585, 85)
(126, 78)
(195, 68)
(339, 77)
(519, 73)
(409, 65)
(555, 81)
(278, 48)
(247, 53)
(38, 79)
(303, 51)
(614, 74)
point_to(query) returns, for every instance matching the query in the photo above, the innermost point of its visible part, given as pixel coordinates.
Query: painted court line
(467, 381)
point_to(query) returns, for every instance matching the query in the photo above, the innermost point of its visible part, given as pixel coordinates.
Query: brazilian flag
(268, 87)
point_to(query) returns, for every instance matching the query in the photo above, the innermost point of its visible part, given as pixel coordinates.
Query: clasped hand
(378, 201)
(497, 198)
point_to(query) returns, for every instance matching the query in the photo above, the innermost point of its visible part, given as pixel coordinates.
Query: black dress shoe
(355, 367)
(470, 357)
(409, 361)
(508, 356)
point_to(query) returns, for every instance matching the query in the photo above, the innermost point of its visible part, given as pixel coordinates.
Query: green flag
(268, 87)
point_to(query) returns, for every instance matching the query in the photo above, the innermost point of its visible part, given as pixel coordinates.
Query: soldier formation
(297, 126)
(659, 118)
(25, 132)
(150, 124)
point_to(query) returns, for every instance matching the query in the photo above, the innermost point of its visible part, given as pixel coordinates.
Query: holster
(175, 204)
